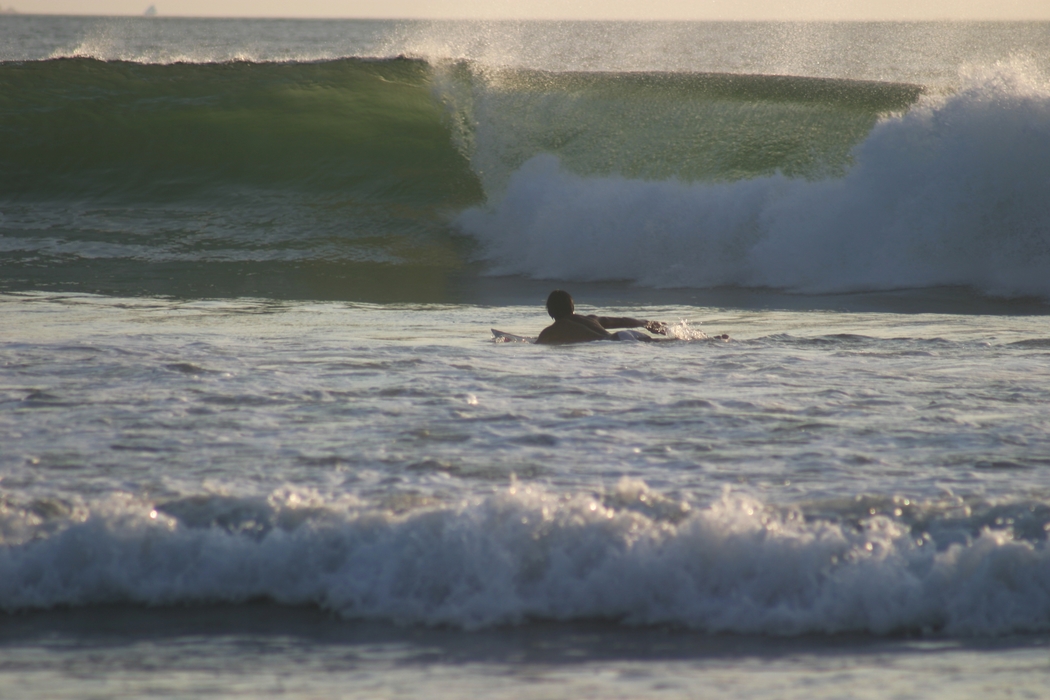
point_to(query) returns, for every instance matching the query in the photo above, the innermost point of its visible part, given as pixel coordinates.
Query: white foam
(954, 192)
(681, 330)
(631, 555)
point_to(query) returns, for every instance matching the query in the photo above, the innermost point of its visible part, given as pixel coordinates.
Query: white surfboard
(502, 337)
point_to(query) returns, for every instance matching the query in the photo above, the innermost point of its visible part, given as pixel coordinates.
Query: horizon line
(10, 11)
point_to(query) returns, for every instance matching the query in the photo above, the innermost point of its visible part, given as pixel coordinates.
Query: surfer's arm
(658, 327)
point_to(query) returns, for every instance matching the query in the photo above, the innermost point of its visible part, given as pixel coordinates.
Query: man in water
(570, 327)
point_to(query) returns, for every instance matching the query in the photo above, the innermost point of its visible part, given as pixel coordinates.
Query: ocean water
(257, 438)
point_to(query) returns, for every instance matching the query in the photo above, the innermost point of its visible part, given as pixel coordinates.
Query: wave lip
(951, 193)
(634, 556)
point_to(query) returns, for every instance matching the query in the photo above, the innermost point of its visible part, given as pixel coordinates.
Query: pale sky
(557, 9)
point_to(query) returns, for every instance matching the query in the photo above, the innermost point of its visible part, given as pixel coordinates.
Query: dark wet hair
(559, 304)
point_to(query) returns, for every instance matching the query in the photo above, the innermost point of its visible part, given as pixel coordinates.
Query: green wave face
(88, 128)
(318, 180)
(340, 179)
(713, 127)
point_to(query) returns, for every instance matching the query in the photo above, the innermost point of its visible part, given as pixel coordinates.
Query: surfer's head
(559, 304)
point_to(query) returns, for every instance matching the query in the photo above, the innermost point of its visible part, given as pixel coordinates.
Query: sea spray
(952, 192)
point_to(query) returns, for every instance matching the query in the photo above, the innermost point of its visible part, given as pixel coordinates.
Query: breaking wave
(735, 565)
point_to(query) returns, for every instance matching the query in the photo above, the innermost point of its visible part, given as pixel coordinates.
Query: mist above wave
(926, 53)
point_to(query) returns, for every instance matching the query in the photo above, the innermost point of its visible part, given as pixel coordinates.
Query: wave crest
(633, 555)
(952, 192)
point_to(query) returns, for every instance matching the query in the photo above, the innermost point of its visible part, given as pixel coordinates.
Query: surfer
(570, 327)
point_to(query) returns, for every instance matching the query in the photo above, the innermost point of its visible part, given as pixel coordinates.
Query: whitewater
(258, 438)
